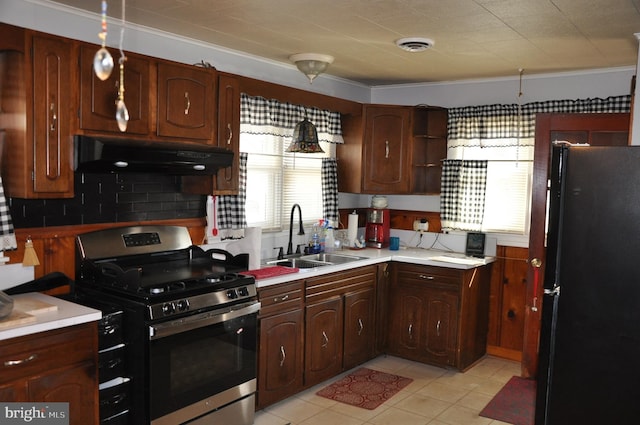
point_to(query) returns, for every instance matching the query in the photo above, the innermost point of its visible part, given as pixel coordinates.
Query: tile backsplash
(111, 198)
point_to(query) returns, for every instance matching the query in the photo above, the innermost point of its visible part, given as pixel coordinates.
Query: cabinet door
(228, 133)
(70, 386)
(52, 117)
(186, 107)
(281, 357)
(323, 340)
(98, 98)
(407, 307)
(359, 327)
(441, 326)
(386, 149)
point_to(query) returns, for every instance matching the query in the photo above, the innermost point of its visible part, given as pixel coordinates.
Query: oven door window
(190, 366)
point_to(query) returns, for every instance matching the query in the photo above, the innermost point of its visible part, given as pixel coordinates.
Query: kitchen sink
(315, 260)
(297, 262)
(331, 258)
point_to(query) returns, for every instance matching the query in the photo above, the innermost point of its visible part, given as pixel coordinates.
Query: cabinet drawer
(32, 354)
(339, 283)
(429, 274)
(279, 298)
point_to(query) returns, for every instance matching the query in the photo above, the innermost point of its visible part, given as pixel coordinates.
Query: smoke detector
(415, 44)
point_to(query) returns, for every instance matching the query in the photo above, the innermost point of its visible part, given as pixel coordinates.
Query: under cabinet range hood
(103, 155)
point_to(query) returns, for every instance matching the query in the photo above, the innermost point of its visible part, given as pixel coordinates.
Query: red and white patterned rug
(366, 388)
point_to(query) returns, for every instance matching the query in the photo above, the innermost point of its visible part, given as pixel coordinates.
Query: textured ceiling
(473, 38)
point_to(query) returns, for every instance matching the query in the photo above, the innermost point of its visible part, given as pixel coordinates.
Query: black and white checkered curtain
(513, 121)
(270, 117)
(463, 193)
(7, 234)
(231, 208)
(330, 190)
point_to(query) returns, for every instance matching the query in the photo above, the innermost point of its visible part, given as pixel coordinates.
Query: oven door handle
(196, 321)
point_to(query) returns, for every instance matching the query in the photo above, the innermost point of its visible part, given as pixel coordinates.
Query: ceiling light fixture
(311, 64)
(415, 44)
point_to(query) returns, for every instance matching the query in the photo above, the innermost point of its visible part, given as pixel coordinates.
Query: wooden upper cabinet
(229, 133)
(37, 115)
(386, 143)
(98, 98)
(393, 149)
(186, 107)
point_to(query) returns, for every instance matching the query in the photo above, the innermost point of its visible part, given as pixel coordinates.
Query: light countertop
(428, 257)
(66, 314)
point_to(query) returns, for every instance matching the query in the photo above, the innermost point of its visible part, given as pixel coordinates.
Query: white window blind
(509, 179)
(277, 180)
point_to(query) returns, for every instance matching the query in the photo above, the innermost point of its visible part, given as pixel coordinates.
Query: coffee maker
(377, 227)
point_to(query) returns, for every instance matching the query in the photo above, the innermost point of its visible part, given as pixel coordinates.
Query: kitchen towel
(274, 271)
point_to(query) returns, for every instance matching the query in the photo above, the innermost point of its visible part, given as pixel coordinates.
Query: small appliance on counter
(378, 223)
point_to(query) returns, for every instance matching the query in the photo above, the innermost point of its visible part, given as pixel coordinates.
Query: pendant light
(305, 138)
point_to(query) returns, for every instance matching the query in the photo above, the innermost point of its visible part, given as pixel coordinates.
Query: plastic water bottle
(315, 243)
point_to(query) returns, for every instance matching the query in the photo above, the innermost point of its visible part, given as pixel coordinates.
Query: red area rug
(365, 388)
(514, 403)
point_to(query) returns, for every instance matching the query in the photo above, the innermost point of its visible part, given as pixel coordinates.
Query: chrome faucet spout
(300, 232)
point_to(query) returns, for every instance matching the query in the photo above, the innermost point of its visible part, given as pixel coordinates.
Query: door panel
(595, 129)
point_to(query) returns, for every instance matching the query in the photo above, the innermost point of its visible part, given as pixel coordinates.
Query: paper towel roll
(352, 229)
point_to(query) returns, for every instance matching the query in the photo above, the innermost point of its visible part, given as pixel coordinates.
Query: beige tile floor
(435, 397)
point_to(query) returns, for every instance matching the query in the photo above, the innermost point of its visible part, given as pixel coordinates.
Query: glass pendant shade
(305, 138)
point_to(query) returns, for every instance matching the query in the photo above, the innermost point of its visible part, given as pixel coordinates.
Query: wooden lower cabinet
(53, 366)
(439, 315)
(323, 344)
(312, 330)
(359, 327)
(281, 350)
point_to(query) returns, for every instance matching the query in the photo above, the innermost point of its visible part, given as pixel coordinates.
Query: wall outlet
(421, 225)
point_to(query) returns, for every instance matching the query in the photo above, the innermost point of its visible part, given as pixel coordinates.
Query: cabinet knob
(326, 340)
(386, 149)
(360, 327)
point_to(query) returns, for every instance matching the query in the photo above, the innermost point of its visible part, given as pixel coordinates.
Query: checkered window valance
(513, 121)
(271, 117)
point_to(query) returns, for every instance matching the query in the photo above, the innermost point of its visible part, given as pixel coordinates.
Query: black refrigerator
(589, 353)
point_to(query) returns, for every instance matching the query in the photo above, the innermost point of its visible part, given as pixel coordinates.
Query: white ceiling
(473, 38)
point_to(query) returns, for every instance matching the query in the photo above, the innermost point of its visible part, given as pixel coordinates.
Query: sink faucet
(300, 232)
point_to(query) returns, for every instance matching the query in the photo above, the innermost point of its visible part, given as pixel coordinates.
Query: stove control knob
(183, 305)
(231, 293)
(168, 308)
(244, 292)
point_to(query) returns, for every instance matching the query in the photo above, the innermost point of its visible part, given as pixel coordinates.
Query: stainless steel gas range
(189, 319)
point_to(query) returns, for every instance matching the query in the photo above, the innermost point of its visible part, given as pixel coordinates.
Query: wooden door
(323, 340)
(281, 357)
(407, 307)
(73, 386)
(440, 327)
(386, 151)
(595, 129)
(227, 178)
(359, 330)
(52, 117)
(186, 107)
(98, 98)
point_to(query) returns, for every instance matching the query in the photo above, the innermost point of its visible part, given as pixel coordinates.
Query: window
(277, 180)
(509, 178)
